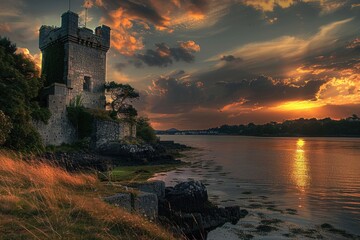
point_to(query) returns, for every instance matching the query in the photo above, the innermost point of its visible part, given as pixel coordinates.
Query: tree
(19, 87)
(145, 131)
(121, 96)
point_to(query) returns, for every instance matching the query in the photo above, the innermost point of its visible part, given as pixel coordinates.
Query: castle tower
(73, 63)
(74, 60)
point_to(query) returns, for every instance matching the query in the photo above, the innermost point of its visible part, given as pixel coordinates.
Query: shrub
(82, 118)
(144, 130)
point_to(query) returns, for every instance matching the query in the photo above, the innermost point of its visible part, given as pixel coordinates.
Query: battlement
(71, 32)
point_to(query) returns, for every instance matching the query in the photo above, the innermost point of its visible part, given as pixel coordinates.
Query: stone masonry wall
(83, 67)
(59, 129)
(105, 131)
(86, 62)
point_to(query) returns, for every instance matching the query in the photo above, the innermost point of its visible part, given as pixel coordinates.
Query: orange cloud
(327, 6)
(123, 39)
(268, 5)
(159, 15)
(190, 45)
(37, 58)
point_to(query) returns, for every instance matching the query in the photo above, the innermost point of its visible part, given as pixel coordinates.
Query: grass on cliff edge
(139, 173)
(40, 201)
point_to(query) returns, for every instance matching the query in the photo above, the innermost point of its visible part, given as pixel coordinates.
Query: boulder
(156, 187)
(146, 204)
(187, 207)
(187, 196)
(122, 200)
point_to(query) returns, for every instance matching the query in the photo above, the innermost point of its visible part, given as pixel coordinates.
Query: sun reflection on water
(301, 168)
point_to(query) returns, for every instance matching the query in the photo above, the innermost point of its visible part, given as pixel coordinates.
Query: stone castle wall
(107, 131)
(76, 57)
(86, 62)
(59, 129)
(74, 63)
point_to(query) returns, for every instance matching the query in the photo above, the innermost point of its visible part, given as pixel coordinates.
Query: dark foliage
(19, 86)
(122, 95)
(144, 130)
(82, 118)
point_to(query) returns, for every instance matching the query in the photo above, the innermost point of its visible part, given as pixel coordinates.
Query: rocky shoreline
(187, 209)
(184, 208)
(114, 154)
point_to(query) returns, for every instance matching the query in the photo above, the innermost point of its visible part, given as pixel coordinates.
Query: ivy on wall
(83, 118)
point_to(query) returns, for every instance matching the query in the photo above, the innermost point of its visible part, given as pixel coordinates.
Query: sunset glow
(299, 105)
(238, 61)
(180, 119)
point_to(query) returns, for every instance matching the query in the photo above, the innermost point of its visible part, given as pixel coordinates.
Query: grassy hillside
(39, 201)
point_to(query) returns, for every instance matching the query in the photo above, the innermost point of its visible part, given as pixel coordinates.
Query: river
(292, 185)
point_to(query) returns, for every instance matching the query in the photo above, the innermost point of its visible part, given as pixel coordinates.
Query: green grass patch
(138, 173)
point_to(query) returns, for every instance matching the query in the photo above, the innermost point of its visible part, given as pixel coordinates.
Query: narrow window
(87, 84)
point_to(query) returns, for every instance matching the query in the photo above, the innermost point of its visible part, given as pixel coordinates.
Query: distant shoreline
(264, 136)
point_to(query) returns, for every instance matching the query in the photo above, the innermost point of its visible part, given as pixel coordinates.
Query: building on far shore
(73, 64)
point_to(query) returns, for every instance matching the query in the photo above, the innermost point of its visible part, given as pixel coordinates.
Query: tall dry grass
(40, 201)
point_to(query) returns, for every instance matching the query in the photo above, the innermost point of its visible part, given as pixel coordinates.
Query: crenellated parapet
(70, 31)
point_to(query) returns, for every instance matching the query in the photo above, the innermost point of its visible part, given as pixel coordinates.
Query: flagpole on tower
(69, 5)
(86, 12)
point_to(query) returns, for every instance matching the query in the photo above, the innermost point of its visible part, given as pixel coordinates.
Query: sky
(204, 63)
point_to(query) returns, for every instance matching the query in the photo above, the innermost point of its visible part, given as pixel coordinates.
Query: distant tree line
(299, 127)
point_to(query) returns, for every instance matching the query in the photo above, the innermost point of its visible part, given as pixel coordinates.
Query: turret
(70, 22)
(104, 32)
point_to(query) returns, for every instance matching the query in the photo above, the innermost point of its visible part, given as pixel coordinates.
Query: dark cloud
(155, 11)
(141, 9)
(172, 94)
(340, 61)
(230, 58)
(168, 91)
(163, 55)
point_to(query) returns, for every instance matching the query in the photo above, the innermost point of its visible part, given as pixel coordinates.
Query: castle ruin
(73, 64)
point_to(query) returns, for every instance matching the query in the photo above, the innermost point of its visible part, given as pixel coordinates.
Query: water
(303, 182)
